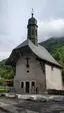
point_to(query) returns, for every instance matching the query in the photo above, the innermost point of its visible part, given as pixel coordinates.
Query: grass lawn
(3, 89)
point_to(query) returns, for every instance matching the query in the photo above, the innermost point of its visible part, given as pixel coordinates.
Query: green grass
(3, 89)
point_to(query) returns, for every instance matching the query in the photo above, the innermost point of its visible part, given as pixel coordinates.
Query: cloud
(46, 29)
(50, 28)
(4, 55)
(14, 15)
(6, 43)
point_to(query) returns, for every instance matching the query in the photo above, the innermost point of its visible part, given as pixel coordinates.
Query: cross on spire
(32, 12)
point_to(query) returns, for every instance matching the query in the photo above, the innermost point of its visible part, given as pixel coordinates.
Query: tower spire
(32, 12)
(32, 29)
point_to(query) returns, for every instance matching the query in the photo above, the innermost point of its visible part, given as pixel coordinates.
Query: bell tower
(32, 33)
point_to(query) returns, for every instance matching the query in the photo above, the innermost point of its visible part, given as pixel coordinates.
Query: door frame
(27, 84)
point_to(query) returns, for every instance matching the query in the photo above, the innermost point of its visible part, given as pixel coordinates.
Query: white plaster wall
(35, 72)
(53, 78)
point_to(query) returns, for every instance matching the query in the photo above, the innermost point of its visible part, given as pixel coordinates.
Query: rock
(21, 110)
(31, 98)
(43, 100)
(45, 111)
(58, 99)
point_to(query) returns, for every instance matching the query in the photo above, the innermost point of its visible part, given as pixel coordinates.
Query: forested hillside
(56, 47)
(53, 43)
(6, 72)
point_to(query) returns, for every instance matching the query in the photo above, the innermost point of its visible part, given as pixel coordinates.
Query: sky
(14, 15)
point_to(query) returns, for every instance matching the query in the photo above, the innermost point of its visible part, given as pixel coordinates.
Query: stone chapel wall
(35, 73)
(53, 77)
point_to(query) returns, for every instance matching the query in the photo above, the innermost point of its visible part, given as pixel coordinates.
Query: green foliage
(53, 43)
(2, 81)
(6, 72)
(58, 53)
(3, 89)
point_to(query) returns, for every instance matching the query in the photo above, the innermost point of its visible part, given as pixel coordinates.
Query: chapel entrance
(27, 87)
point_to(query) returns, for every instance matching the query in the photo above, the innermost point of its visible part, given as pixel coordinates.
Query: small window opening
(22, 84)
(29, 32)
(27, 71)
(36, 32)
(32, 31)
(63, 78)
(33, 84)
(27, 65)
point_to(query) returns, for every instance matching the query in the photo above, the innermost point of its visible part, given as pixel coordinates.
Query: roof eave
(50, 63)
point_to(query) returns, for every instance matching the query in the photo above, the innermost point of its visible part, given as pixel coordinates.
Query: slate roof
(39, 51)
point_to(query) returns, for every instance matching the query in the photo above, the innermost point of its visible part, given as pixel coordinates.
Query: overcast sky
(14, 15)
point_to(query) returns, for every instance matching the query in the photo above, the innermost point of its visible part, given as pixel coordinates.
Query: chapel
(36, 70)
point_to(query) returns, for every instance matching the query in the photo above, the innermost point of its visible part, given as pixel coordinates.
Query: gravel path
(43, 107)
(33, 106)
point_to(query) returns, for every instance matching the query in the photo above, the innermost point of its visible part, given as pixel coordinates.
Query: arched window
(33, 84)
(22, 84)
(36, 32)
(29, 32)
(32, 31)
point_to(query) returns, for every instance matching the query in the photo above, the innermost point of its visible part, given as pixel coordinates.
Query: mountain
(54, 45)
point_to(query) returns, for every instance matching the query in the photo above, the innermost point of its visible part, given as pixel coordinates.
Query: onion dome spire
(32, 29)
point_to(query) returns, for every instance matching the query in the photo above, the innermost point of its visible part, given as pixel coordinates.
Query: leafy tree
(2, 81)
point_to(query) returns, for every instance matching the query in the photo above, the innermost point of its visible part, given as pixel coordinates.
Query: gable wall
(35, 72)
(53, 77)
